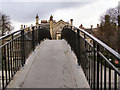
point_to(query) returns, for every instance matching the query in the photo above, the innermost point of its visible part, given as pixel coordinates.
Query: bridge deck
(51, 65)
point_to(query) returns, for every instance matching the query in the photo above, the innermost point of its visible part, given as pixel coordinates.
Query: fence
(16, 50)
(99, 62)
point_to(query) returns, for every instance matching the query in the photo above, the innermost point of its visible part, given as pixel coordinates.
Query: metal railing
(16, 50)
(95, 57)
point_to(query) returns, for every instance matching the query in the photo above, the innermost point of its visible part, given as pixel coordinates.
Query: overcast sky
(86, 12)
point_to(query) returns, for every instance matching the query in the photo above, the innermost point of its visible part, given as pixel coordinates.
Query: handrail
(17, 49)
(5, 36)
(105, 58)
(116, 54)
(93, 58)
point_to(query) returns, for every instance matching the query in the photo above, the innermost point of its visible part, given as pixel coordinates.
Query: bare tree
(108, 29)
(113, 13)
(5, 24)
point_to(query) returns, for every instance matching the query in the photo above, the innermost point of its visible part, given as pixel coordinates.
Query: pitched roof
(60, 21)
(44, 21)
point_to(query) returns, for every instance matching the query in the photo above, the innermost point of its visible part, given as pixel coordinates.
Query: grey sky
(47, 0)
(86, 12)
(26, 11)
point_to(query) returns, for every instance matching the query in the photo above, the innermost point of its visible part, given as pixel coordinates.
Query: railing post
(89, 79)
(94, 74)
(33, 41)
(84, 39)
(78, 46)
(2, 76)
(98, 59)
(119, 33)
(119, 37)
(71, 27)
(0, 48)
(0, 52)
(12, 52)
(76, 49)
(39, 34)
(22, 47)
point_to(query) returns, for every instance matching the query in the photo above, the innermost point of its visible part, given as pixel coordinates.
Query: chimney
(71, 22)
(91, 27)
(97, 26)
(107, 19)
(51, 18)
(81, 26)
(21, 26)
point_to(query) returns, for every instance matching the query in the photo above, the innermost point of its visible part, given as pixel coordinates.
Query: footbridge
(32, 59)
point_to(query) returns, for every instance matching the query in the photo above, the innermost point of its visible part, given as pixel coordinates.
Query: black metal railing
(18, 47)
(99, 62)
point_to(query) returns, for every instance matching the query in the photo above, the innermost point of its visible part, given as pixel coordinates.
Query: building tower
(71, 22)
(37, 18)
(51, 22)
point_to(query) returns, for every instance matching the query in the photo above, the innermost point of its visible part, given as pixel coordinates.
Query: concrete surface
(51, 65)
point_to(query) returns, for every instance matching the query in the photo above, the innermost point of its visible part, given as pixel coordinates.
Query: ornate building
(54, 27)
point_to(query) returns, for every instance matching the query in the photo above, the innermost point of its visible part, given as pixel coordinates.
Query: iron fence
(99, 62)
(16, 50)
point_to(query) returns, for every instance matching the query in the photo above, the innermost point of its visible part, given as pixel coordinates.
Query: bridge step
(51, 65)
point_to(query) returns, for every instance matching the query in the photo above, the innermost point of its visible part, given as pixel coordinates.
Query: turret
(71, 22)
(97, 26)
(51, 18)
(51, 23)
(37, 18)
